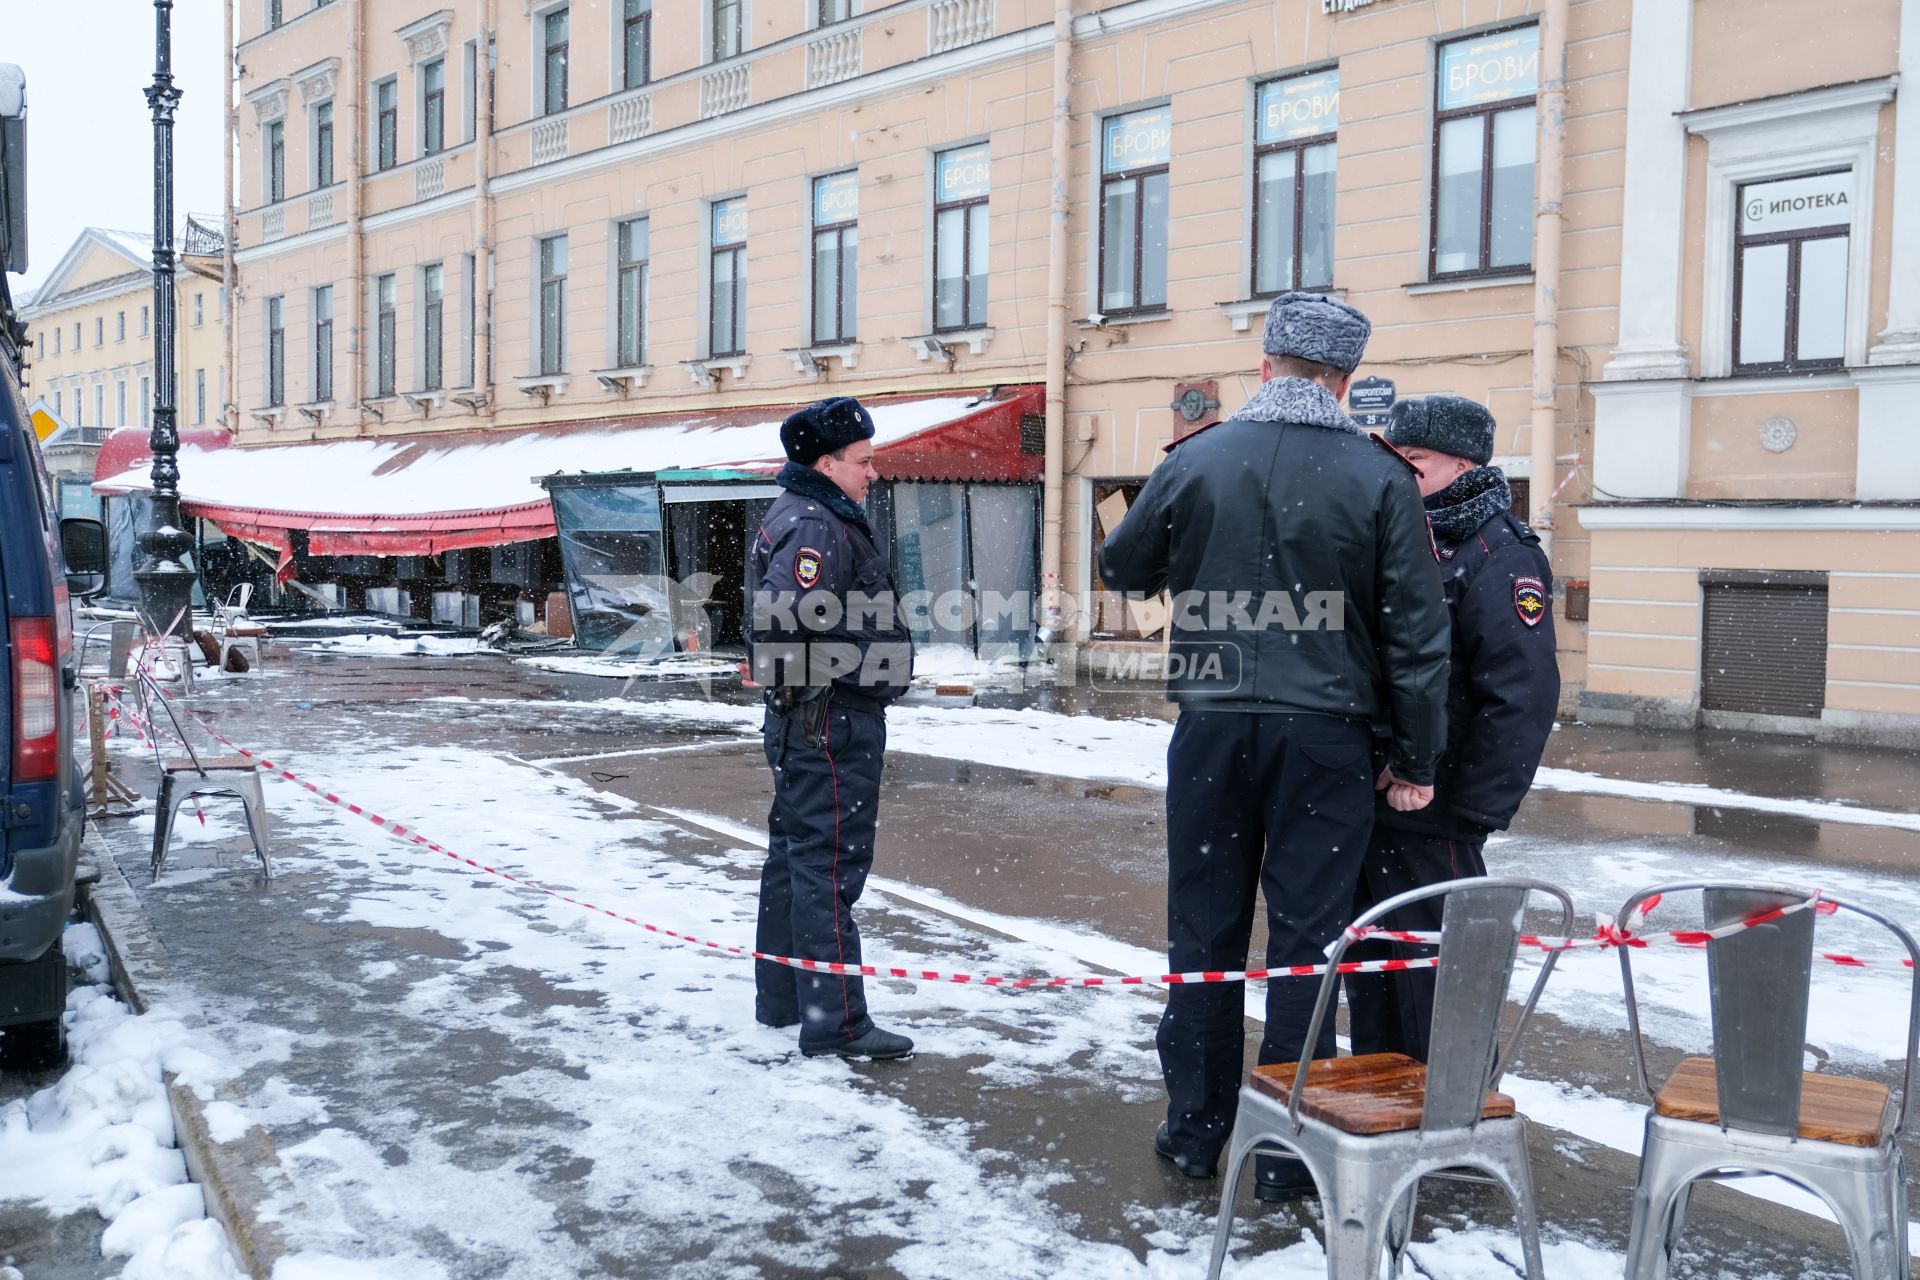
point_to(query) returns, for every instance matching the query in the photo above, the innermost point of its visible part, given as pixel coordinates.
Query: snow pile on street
(101, 1137)
(678, 665)
(393, 646)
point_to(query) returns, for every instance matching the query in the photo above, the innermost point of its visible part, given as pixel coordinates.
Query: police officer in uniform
(831, 651)
(1306, 605)
(1502, 692)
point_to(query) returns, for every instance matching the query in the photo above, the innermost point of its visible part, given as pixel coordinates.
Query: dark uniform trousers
(1393, 1012)
(1255, 801)
(826, 803)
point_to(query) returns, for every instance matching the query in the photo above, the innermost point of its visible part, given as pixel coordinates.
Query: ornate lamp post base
(166, 583)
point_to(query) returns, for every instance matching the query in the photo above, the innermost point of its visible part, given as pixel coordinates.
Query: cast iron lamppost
(166, 584)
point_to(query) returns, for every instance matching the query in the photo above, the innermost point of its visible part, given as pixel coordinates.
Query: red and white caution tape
(916, 974)
(1609, 934)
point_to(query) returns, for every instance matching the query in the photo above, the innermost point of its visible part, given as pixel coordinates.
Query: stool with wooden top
(188, 778)
(1369, 1128)
(1751, 1109)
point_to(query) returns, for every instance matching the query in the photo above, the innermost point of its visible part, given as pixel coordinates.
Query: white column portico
(1889, 457)
(1642, 415)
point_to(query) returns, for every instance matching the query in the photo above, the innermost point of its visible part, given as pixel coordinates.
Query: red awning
(425, 494)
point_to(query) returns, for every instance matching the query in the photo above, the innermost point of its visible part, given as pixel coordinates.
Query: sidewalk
(463, 1079)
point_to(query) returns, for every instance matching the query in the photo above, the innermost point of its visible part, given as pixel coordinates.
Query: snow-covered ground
(688, 1158)
(100, 1139)
(626, 1101)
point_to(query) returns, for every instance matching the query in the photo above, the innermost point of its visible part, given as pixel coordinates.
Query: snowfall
(100, 1139)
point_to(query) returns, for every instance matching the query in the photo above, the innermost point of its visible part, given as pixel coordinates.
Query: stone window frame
(1820, 129)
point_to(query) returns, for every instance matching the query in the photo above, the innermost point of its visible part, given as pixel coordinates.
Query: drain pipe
(229, 284)
(356, 180)
(1056, 419)
(1546, 264)
(480, 341)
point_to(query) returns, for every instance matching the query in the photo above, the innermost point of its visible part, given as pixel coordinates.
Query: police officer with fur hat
(1502, 693)
(831, 651)
(1306, 605)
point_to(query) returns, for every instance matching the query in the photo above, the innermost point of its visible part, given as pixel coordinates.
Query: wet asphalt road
(1083, 854)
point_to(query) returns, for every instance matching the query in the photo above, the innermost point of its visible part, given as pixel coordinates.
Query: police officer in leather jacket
(1306, 604)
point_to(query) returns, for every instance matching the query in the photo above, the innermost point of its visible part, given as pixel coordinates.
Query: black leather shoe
(875, 1044)
(1163, 1147)
(1287, 1184)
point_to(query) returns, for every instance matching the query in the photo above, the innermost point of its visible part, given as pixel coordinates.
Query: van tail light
(36, 701)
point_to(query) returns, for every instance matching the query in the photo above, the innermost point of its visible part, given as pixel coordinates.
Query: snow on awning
(421, 495)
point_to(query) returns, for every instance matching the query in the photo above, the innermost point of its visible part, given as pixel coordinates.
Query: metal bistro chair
(1750, 1109)
(1369, 1128)
(184, 779)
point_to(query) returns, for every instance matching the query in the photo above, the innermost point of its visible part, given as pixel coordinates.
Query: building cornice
(1755, 518)
(1707, 121)
(305, 240)
(112, 287)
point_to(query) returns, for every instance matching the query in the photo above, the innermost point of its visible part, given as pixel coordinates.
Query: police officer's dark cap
(825, 426)
(1452, 425)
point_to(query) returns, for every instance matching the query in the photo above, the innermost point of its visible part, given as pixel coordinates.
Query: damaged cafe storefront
(656, 557)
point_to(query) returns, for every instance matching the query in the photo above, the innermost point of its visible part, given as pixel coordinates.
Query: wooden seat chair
(1369, 1128)
(1751, 1109)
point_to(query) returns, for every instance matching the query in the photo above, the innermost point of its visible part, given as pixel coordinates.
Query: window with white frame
(322, 145)
(99, 404)
(323, 343)
(1136, 150)
(553, 61)
(963, 179)
(386, 333)
(630, 295)
(59, 404)
(836, 257)
(636, 43)
(199, 312)
(1790, 273)
(1293, 183)
(120, 401)
(276, 351)
(727, 279)
(729, 28)
(120, 326)
(433, 106)
(553, 304)
(386, 107)
(826, 12)
(432, 327)
(145, 320)
(1484, 144)
(199, 397)
(143, 406)
(275, 14)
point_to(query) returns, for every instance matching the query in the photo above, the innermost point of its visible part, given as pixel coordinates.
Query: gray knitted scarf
(1475, 497)
(1298, 400)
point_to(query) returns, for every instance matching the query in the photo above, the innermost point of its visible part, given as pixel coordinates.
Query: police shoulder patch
(1530, 600)
(806, 566)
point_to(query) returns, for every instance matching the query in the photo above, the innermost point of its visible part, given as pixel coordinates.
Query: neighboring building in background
(608, 219)
(91, 326)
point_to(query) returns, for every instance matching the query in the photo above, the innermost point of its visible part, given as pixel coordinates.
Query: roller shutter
(1765, 648)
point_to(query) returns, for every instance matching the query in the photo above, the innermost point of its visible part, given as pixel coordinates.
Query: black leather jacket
(1301, 572)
